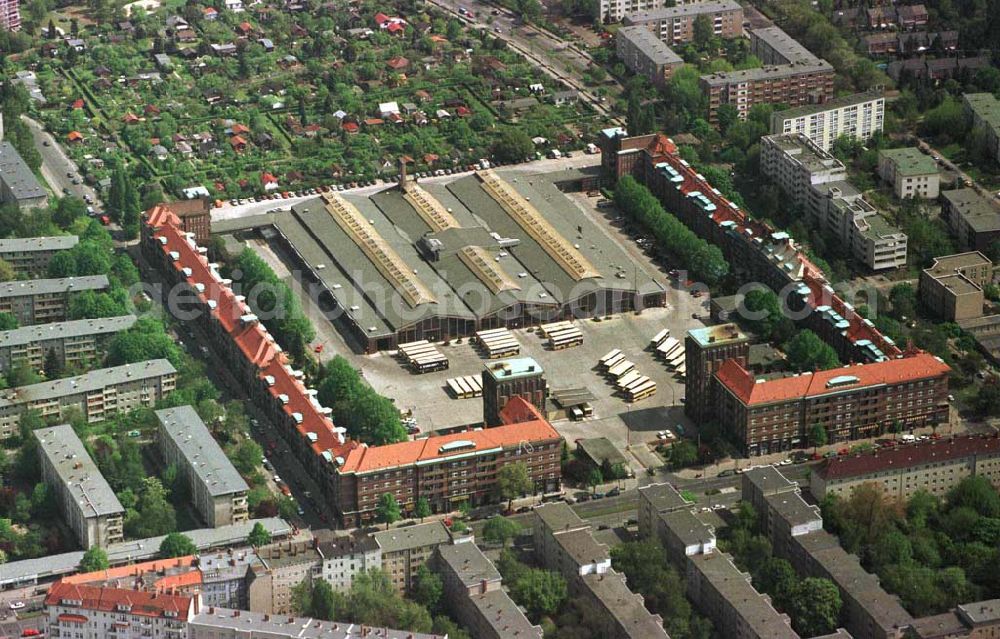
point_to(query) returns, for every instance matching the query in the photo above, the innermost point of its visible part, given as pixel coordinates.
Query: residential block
(952, 286)
(44, 301)
(75, 344)
(30, 256)
(858, 116)
(909, 172)
(675, 25)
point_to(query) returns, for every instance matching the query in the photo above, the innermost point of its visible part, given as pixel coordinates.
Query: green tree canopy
(94, 559)
(514, 480)
(500, 530)
(815, 607)
(176, 544)
(513, 145)
(807, 352)
(259, 536)
(387, 511)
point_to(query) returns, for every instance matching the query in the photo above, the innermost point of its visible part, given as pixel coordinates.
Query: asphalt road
(558, 58)
(57, 167)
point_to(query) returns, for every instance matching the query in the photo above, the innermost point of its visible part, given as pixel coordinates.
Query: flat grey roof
(687, 527)
(469, 563)
(560, 518)
(599, 449)
(688, 9)
(335, 544)
(767, 73)
(784, 45)
(203, 454)
(51, 566)
(663, 497)
(29, 244)
(650, 46)
(801, 149)
(981, 612)
(409, 537)
(78, 472)
(734, 586)
(793, 510)
(499, 609)
(63, 330)
(845, 571)
(23, 288)
(718, 334)
(829, 105)
(17, 176)
(87, 382)
(768, 480)
(259, 624)
(513, 368)
(625, 606)
(977, 211)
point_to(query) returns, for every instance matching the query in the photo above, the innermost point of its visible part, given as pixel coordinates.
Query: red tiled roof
(78, 104)
(522, 424)
(131, 570)
(743, 385)
(907, 456)
(381, 17)
(63, 618)
(252, 338)
(147, 604)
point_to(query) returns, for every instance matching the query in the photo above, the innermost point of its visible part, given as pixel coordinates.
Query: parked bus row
(423, 357)
(497, 343)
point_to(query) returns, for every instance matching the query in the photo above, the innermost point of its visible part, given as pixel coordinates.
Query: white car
(16, 605)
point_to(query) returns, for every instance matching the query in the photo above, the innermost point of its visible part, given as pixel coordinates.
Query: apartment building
(675, 25)
(953, 285)
(283, 566)
(564, 542)
(792, 76)
(683, 535)
(345, 556)
(615, 10)
(30, 256)
(10, 15)
(976, 620)
(210, 622)
(796, 533)
(858, 116)
(446, 469)
(974, 219)
(44, 301)
(983, 110)
(405, 550)
(935, 466)
(850, 402)
(817, 183)
(195, 216)
(502, 381)
(217, 490)
(98, 394)
(646, 55)
(909, 172)
(655, 499)
(80, 611)
(225, 577)
(18, 184)
(76, 344)
(475, 597)
(704, 351)
(88, 505)
(754, 250)
(351, 477)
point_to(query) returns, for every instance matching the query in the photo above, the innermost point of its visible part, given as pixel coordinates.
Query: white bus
(622, 367)
(559, 343)
(668, 345)
(659, 337)
(456, 389)
(636, 383)
(627, 379)
(429, 363)
(676, 360)
(603, 362)
(641, 392)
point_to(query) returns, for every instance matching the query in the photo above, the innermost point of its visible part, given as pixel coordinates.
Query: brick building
(10, 15)
(704, 351)
(850, 402)
(646, 55)
(195, 216)
(502, 381)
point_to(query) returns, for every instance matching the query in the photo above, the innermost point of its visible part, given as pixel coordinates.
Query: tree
(323, 603)
(683, 453)
(176, 544)
(904, 301)
(427, 588)
(388, 510)
(807, 352)
(777, 578)
(247, 456)
(703, 30)
(52, 366)
(7, 273)
(815, 607)
(514, 480)
(976, 492)
(7, 322)
(94, 559)
(259, 536)
(817, 436)
(540, 591)
(423, 508)
(499, 530)
(513, 145)
(594, 478)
